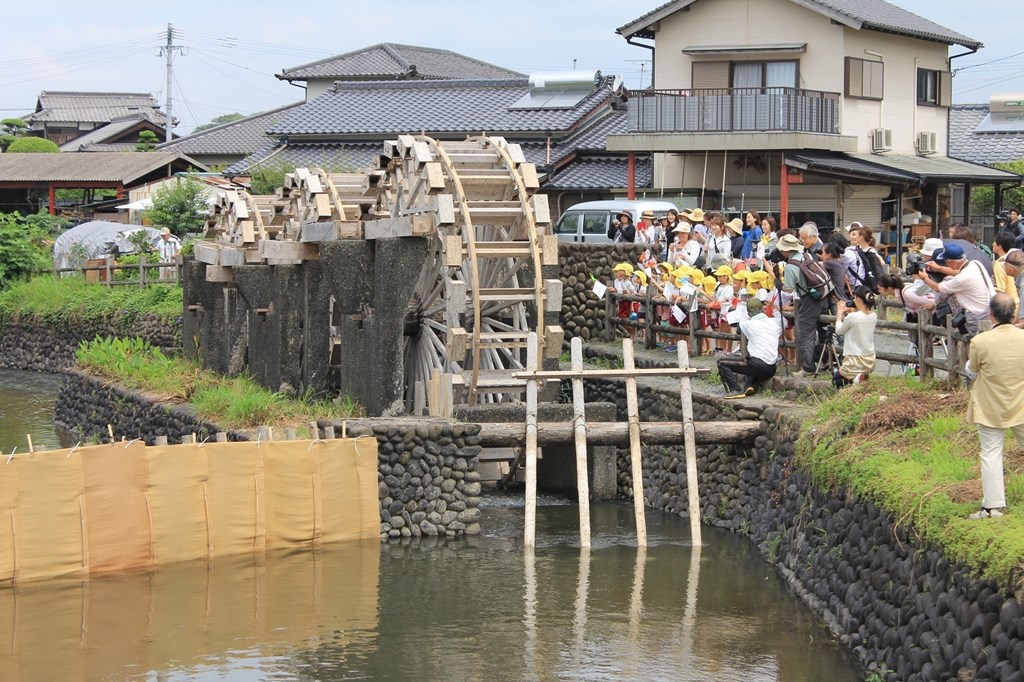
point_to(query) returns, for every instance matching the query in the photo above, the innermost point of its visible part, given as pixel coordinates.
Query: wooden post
(142, 273)
(530, 528)
(924, 345)
(690, 445)
(31, 449)
(314, 430)
(328, 433)
(609, 314)
(220, 437)
(263, 433)
(108, 274)
(636, 463)
(649, 336)
(160, 440)
(188, 438)
(580, 433)
(951, 349)
(419, 398)
(691, 322)
(289, 434)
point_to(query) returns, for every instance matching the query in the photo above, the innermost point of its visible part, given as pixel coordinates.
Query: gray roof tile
(113, 129)
(340, 156)
(463, 106)
(244, 136)
(100, 167)
(93, 107)
(987, 148)
(600, 173)
(392, 60)
(871, 14)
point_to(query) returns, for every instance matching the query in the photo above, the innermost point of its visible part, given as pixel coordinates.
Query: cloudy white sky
(233, 49)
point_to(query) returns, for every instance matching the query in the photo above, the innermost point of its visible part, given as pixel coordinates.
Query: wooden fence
(922, 333)
(104, 270)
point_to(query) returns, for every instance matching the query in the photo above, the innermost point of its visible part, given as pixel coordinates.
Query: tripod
(829, 356)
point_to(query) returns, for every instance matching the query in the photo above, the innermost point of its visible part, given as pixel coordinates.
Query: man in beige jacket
(997, 398)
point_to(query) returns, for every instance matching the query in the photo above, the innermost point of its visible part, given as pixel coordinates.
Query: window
(595, 223)
(764, 74)
(864, 78)
(568, 224)
(934, 88)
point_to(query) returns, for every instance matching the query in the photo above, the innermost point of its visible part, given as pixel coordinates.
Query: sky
(231, 50)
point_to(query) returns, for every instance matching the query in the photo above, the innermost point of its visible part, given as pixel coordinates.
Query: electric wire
(60, 70)
(238, 80)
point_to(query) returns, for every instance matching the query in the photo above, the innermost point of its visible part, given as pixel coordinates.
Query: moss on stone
(922, 468)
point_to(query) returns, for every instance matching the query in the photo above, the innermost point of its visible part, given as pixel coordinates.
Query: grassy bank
(231, 402)
(72, 299)
(906, 446)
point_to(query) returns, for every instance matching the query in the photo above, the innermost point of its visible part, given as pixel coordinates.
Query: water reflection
(473, 609)
(26, 407)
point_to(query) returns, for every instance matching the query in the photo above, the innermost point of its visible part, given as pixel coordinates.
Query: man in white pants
(997, 398)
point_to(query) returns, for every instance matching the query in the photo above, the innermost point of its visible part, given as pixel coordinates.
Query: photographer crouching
(966, 280)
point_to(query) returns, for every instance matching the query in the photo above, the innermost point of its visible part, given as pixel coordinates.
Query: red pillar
(631, 175)
(53, 199)
(784, 196)
(120, 191)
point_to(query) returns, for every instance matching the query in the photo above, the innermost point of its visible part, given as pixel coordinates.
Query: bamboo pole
(530, 528)
(31, 448)
(636, 463)
(690, 445)
(580, 433)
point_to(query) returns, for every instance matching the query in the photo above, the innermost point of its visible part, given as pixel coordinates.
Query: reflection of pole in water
(690, 613)
(636, 601)
(582, 590)
(530, 614)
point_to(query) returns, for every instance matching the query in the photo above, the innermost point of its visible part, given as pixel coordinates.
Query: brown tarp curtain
(126, 506)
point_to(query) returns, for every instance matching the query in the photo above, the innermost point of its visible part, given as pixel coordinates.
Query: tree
(179, 206)
(147, 141)
(32, 145)
(10, 130)
(25, 245)
(219, 120)
(983, 197)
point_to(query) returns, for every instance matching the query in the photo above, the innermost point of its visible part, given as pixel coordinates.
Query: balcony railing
(727, 110)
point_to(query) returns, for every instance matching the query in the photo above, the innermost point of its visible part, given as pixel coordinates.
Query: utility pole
(168, 51)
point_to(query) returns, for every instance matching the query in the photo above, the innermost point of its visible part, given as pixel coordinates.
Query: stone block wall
(583, 314)
(45, 347)
(902, 607)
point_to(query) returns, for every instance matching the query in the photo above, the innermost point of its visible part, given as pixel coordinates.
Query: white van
(588, 222)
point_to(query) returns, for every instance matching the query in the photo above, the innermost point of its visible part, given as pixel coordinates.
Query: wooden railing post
(609, 314)
(649, 337)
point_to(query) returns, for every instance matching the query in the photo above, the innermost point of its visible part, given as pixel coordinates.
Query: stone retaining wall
(426, 474)
(46, 347)
(903, 608)
(583, 314)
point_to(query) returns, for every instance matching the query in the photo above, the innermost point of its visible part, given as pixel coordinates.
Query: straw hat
(736, 225)
(648, 215)
(697, 215)
(723, 271)
(789, 243)
(683, 227)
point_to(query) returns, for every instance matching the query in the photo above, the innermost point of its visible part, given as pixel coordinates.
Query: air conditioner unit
(881, 139)
(926, 143)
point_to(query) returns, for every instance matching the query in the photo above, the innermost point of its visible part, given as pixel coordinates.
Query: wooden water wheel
(481, 290)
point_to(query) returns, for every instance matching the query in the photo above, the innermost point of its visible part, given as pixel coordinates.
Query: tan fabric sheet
(122, 506)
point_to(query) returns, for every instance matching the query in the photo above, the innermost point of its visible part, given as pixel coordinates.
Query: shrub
(24, 248)
(179, 206)
(32, 145)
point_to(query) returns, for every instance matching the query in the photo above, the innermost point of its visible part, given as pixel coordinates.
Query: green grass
(906, 446)
(55, 301)
(231, 402)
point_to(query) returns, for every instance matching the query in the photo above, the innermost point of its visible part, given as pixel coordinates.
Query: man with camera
(762, 334)
(966, 280)
(809, 305)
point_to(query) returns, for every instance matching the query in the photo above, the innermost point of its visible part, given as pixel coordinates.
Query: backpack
(874, 268)
(819, 284)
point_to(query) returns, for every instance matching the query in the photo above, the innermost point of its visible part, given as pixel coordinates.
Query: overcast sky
(233, 49)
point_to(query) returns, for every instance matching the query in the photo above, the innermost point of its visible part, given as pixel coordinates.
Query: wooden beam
(445, 207)
(417, 225)
(613, 373)
(541, 210)
(494, 435)
(553, 295)
(580, 442)
(288, 250)
(219, 273)
(690, 446)
(554, 335)
(549, 249)
(208, 253)
(635, 455)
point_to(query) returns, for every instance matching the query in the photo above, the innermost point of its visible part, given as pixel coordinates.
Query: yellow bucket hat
(641, 275)
(625, 267)
(723, 271)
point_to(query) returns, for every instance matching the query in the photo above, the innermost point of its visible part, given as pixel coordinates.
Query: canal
(468, 609)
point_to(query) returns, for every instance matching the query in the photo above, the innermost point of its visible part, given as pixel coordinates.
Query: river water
(468, 609)
(26, 408)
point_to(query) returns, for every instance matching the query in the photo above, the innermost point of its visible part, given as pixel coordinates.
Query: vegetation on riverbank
(231, 402)
(71, 299)
(906, 446)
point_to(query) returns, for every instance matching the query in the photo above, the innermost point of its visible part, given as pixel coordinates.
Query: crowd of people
(741, 275)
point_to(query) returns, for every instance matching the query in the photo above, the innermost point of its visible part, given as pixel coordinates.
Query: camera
(914, 264)
(775, 256)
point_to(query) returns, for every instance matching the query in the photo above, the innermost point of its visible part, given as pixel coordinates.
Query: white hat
(930, 246)
(683, 227)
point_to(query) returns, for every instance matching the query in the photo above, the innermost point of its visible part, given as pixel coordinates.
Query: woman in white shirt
(684, 251)
(719, 246)
(858, 331)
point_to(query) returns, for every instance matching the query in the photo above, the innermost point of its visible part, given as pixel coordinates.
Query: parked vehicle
(589, 221)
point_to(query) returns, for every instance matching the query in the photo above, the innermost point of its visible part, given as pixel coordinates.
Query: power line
(238, 80)
(184, 98)
(76, 54)
(59, 71)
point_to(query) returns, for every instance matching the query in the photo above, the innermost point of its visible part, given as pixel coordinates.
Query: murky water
(471, 609)
(26, 407)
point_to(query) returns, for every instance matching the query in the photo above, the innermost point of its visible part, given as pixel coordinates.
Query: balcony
(732, 118)
(729, 110)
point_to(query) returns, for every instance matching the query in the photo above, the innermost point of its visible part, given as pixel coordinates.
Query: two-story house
(824, 110)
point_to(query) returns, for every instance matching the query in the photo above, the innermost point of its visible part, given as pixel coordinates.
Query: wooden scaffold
(534, 377)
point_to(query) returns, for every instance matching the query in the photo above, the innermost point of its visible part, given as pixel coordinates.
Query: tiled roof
(244, 136)
(93, 107)
(386, 61)
(331, 155)
(464, 106)
(111, 130)
(987, 148)
(600, 173)
(100, 167)
(871, 14)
